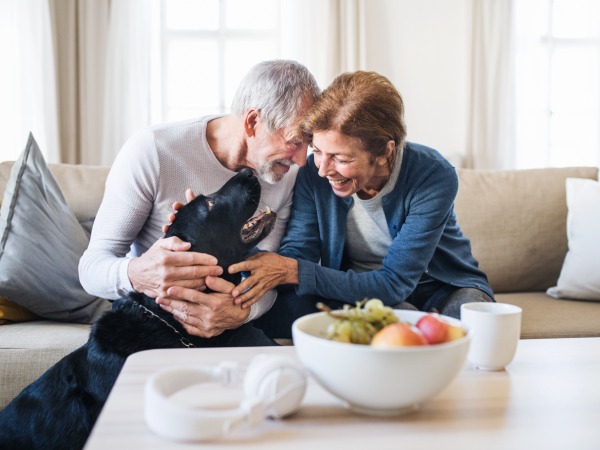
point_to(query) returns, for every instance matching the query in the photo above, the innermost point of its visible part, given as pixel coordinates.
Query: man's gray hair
(277, 88)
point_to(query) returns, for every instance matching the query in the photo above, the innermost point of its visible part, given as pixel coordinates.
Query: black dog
(59, 409)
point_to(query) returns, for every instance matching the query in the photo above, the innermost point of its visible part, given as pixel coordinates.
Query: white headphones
(274, 387)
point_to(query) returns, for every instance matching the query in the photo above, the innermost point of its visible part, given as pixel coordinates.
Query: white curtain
(126, 97)
(327, 36)
(491, 131)
(79, 38)
(93, 20)
(27, 79)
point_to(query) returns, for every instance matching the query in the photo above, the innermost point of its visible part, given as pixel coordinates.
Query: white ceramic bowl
(378, 381)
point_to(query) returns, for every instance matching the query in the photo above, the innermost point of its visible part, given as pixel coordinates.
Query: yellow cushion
(11, 312)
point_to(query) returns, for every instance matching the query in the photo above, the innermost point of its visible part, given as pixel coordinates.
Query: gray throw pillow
(41, 245)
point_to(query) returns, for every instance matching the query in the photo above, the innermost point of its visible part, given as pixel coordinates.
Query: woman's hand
(268, 270)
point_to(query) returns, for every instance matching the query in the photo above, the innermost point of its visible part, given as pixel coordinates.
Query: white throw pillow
(580, 274)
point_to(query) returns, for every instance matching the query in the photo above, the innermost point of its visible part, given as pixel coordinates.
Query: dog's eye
(211, 203)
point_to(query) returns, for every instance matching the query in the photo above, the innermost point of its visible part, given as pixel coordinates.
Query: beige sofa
(515, 220)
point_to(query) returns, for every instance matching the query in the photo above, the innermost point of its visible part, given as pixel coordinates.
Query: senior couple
(366, 215)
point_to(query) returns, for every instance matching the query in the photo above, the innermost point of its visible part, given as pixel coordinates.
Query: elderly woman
(372, 215)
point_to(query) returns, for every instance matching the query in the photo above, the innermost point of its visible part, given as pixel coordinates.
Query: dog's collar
(184, 341)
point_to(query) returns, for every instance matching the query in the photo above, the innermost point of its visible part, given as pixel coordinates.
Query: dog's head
(222, 224)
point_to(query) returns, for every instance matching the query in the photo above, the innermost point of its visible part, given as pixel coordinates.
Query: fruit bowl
(378, 381)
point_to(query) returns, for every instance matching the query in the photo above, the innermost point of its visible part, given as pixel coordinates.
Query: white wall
(423, 48)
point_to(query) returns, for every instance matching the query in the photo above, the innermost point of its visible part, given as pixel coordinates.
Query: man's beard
(266, 172)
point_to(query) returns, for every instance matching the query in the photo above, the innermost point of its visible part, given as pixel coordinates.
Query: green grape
(340, 330)
(362, 332)
(374, 310)
(359, 324)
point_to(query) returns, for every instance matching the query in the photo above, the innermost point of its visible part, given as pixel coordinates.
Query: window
(558, 83)
(204, 48)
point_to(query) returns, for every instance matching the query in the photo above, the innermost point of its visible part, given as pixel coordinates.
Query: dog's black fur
(59, 409)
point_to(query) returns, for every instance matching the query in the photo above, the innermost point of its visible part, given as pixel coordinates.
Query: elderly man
(126, 251)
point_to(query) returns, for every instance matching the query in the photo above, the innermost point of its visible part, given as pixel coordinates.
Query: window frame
(161, 106)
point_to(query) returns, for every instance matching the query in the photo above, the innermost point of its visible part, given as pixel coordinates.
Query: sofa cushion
(516, 223)
(546, 317)
(28, 349)
(41, 244)
(580, 274)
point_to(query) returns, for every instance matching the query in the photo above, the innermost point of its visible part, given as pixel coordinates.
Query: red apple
(437, 330)
(434, 328)
(398, 335)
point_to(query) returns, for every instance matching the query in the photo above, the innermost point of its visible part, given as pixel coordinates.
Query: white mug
(496, 331)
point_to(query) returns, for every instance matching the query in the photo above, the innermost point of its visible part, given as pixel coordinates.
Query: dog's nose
(246, 172)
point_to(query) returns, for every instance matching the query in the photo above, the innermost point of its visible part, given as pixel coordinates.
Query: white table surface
(547, 398)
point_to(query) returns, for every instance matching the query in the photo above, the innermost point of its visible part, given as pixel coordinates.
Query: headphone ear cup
(279, 382)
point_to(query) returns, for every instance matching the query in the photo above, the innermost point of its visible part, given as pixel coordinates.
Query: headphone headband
(274, 386)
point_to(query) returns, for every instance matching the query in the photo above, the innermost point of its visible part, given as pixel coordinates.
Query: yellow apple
(455, 332)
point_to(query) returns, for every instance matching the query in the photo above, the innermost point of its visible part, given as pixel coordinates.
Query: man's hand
(202, 314)
(168, 263)
(268, 270)
(189, 196)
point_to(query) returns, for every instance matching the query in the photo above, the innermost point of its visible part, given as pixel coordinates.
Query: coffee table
(548, 397)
